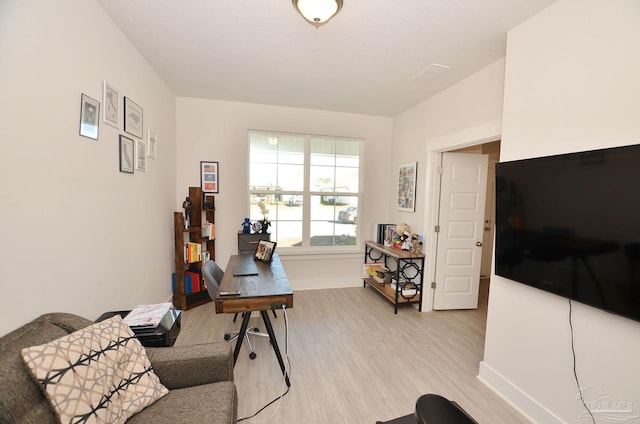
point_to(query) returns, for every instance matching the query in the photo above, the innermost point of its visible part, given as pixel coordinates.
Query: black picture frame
(209, 178)
(265, 250)
(89, 116)
(127, 154)
(208, 201)
(132, 118)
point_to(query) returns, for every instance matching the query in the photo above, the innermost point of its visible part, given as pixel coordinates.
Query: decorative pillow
(100, 374)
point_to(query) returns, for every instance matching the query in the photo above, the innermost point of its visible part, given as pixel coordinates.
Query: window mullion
(306, 212)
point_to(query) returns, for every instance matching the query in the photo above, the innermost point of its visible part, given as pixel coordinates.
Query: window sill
(295, 255)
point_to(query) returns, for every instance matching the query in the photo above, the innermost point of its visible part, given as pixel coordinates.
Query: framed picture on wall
(152, 144)
(89, 117)
(132, 118)
(111, 104)
(127, 156)
(141, 155)
(407, 187)
(209, 177)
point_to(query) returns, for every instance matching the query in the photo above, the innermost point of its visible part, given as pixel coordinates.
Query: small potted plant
(265, 213)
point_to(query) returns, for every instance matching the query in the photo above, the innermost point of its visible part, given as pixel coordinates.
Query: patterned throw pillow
(100, 374)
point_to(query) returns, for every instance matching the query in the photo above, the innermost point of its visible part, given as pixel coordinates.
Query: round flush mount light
(317, 12)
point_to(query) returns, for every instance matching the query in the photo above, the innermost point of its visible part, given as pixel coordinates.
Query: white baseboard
(325, 283)
(517, 398)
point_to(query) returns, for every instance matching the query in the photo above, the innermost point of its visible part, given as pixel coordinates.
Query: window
(311, 187)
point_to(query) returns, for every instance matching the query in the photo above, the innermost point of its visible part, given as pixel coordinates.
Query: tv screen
(570, 224)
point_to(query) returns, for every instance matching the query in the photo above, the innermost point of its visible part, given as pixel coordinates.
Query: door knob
(479, 243)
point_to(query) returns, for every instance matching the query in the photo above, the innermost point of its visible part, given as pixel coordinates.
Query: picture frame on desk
(264, 250)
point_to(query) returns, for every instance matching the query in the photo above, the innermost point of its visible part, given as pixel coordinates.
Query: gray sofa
(199, 378)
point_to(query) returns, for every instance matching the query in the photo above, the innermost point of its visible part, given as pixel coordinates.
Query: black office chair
(213, 275)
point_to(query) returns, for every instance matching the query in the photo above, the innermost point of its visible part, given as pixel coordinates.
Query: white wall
(465, 113)
(77, 235)
(571, 84)
(214, 130)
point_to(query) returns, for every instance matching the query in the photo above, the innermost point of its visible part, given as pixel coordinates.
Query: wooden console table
(407, 273)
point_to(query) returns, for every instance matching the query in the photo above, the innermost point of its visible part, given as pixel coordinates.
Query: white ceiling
(362, 61)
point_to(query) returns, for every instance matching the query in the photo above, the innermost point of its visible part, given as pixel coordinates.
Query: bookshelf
(189, 269)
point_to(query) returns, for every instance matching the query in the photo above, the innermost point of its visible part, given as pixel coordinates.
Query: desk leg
(243, 330)
(274, 343)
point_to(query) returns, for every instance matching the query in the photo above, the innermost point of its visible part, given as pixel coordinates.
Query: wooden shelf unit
(182, 300)
(407, 270)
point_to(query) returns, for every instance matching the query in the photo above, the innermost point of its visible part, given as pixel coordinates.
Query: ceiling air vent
(432, 71)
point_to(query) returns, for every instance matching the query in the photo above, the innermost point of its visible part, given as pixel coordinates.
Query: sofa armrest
(186, 366)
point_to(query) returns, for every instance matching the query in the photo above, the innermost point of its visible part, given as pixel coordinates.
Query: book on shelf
(407, 290)
(147, 315)
(373, 271)
(193, 252)
(194, 281)
(209, 230)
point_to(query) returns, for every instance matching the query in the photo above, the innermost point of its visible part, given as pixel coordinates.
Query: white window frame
(307, 194)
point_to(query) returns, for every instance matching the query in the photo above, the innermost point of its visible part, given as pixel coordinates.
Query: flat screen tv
(570, 224)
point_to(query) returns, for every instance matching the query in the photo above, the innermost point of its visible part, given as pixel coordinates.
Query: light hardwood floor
(354, 361)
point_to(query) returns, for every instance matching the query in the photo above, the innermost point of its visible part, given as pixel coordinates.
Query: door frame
(432, 213)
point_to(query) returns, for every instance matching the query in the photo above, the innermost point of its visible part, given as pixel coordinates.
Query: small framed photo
(407, 187)
(127, 156)
(265, 250)
(111, 104)
(152, 144)
(132, 118)
(89, 117)
(209, 177)
(389, 231)
(208, 201)
(141, 155)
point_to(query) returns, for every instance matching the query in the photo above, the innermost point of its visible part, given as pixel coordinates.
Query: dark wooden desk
(268, 290)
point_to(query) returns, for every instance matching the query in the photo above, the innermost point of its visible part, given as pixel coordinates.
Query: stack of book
(147, 316)
(375, 271)
(192, 252)
(192, 282)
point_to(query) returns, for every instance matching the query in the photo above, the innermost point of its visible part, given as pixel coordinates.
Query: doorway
(456, 284)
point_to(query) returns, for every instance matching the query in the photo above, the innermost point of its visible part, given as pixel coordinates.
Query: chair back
(213, 276)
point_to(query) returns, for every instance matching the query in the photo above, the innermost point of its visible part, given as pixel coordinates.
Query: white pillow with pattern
(100, 374)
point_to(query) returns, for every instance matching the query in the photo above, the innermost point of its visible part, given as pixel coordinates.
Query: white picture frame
(111, 104)
(141, 155)
(152, 144)
(407, 174)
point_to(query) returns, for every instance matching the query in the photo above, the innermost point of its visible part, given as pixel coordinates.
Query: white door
(489, 219)
(459, 249)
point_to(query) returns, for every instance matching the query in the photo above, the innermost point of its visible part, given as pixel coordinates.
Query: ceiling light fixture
(318, 12)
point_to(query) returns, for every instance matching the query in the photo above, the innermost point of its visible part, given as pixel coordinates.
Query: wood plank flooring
(353, 361)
